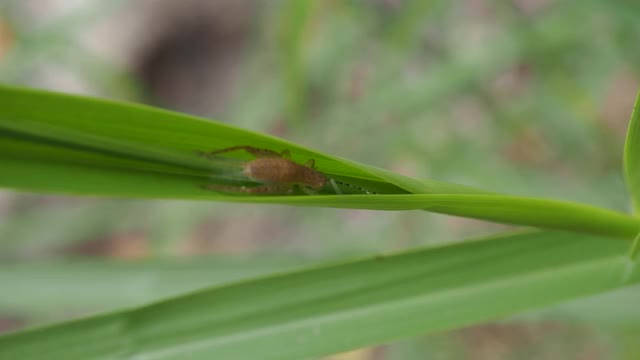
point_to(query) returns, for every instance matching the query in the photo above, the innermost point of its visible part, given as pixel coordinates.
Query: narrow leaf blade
(83, 146)
(345, 306)
(632, 156)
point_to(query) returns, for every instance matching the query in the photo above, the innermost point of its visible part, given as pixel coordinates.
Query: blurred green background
(530, 97)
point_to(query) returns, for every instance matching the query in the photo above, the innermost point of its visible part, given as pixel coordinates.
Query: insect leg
(335, 187)
(355, 187)
(263, 189)
(257, 152)
(310, 164)
(285, 154)
(307, 191)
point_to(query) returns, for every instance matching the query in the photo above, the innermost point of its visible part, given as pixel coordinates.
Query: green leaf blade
(632, 156)
(82, 146)
(336, 308)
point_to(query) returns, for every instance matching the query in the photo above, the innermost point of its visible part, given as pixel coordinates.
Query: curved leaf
(330, 309)
(83, 146)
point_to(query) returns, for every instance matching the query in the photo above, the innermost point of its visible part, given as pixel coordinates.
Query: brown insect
(276, 170)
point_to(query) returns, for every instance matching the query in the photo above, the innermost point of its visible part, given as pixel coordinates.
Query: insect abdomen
(283, 171)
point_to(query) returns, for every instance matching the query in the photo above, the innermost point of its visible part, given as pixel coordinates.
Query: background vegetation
(528, 97)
